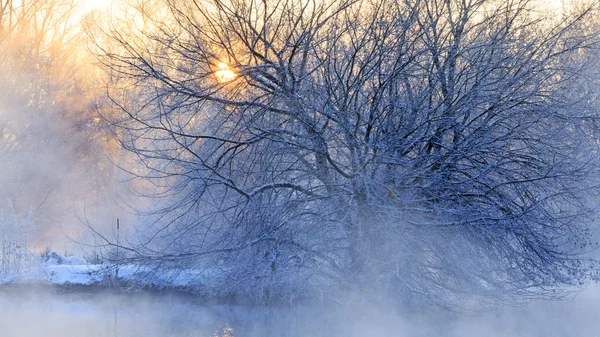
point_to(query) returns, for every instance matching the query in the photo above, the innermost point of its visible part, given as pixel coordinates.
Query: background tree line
(53, 146)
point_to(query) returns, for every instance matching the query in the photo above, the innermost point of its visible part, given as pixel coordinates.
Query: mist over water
(44, 312)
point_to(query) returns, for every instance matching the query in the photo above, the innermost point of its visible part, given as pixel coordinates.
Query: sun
(224, 74)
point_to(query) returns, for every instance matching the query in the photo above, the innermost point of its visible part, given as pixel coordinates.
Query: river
(46, 312)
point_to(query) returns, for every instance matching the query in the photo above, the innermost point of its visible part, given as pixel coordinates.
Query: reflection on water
(227, 332)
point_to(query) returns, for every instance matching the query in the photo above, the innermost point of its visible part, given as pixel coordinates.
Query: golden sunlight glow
(224, 74)
(90, 5)
(554, 5)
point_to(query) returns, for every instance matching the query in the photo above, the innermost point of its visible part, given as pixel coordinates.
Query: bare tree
(439, 150)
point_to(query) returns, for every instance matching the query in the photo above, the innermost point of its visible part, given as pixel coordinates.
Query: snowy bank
(75, 271)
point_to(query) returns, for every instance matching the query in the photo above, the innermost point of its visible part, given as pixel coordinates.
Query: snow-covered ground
(73, 270)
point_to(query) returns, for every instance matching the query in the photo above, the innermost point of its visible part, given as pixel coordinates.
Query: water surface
(45, 312)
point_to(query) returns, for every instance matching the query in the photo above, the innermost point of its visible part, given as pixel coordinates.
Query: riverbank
(61, 272)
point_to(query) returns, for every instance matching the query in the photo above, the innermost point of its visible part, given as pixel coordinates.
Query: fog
(48, 313)
(55, 154)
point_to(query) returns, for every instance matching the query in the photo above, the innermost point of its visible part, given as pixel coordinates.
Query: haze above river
(46, 313)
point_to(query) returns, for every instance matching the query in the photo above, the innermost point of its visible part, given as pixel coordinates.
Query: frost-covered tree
(437, 150)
